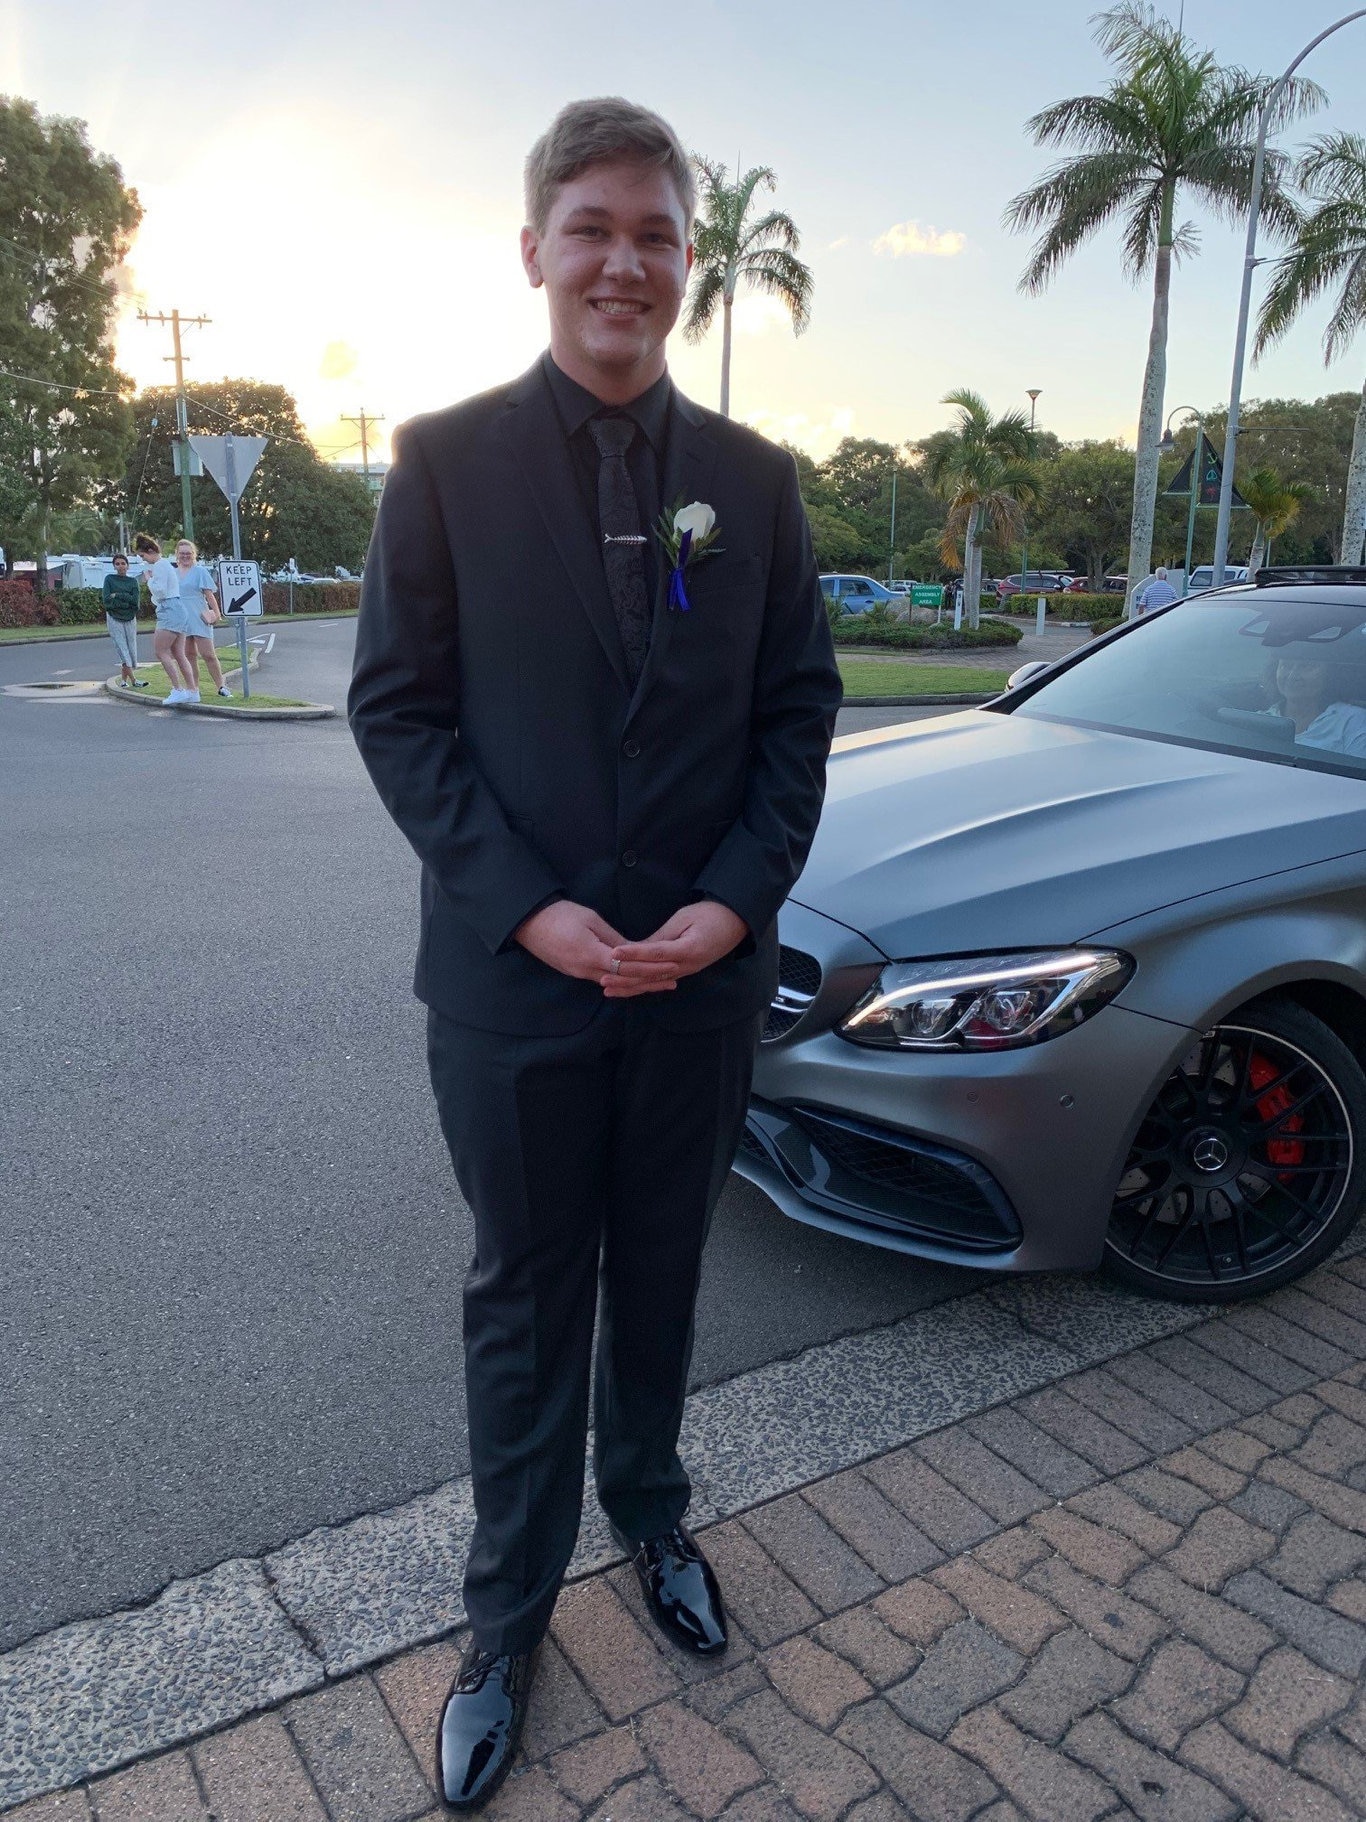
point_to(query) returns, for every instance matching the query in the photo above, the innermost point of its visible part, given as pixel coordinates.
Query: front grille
(799, 979)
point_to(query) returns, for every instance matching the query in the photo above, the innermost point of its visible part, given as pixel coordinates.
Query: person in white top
(1156, 593)
(163, 585)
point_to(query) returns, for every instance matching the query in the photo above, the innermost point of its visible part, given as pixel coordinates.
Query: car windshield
(1254, 673)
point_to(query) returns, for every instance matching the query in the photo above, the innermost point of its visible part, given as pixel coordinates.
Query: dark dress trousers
(591, 1138)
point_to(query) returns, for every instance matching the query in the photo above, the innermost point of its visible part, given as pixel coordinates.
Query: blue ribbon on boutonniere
(678, 594)
(686, 534)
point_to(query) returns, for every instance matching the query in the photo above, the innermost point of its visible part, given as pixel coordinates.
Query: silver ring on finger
(616, 964)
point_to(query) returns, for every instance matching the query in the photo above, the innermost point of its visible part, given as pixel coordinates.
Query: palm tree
(1275, 505)
(985, 473)
(1329, 251)
(730, 249)
(1173, 121)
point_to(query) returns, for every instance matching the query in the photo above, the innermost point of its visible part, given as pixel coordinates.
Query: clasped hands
(574, 940)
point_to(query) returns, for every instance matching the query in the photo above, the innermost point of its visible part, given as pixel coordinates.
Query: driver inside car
(1310, 697)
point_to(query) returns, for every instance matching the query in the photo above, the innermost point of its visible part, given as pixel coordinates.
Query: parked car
(1203, 578)
(857, 594)
(1032, 582)
(1116, 585)
(1080, 976)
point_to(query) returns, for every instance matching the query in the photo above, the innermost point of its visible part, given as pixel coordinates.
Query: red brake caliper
(1271, 1106)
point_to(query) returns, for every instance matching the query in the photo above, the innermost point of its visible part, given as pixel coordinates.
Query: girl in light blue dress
(197, 597)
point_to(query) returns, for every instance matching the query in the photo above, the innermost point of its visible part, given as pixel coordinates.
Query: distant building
(378, 470)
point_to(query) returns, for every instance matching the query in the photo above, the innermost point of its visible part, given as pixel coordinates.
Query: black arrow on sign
(235, 607)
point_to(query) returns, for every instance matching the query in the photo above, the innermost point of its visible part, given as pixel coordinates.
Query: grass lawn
(885, 677)
(159, 687)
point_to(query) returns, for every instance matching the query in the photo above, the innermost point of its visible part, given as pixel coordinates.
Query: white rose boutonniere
(686, 533)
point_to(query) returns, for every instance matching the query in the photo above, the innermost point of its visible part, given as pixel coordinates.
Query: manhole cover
(56, 691)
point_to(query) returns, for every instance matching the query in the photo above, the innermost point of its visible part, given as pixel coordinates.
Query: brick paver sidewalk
(1140, 1592)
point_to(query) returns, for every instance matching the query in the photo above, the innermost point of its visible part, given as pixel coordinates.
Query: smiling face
(184, 554)
(614, 258)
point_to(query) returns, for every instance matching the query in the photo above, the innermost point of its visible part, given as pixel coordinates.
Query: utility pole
(366, 425)
(182, 420)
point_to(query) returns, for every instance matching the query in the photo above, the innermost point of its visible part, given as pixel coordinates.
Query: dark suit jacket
(490, 704)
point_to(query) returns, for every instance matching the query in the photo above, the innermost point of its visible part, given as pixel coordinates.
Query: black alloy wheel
(1249, 1167)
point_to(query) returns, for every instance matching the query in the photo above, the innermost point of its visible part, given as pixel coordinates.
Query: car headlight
(986, 1002)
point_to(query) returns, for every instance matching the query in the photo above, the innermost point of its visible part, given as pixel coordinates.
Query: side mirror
(1025, 672)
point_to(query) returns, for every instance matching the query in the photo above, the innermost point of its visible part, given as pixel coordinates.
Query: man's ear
(531, 264)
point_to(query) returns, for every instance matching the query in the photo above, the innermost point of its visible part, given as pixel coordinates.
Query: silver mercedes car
(1080, 976)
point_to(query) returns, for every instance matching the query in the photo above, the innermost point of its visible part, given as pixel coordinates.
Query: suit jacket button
(628, 859)
(631, 748)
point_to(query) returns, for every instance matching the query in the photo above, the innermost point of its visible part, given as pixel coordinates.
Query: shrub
(1087, 607)
(1105, 626)
(79, 606)
(857, 630)
(21, 606)
(311, 597)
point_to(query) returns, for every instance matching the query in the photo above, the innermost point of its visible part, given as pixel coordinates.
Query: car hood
(979, 831)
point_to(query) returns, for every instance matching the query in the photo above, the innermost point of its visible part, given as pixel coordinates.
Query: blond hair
(603, 131)
(194, 548)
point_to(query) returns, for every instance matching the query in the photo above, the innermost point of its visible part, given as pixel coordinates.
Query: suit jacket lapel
(689, 458)
(532, 427)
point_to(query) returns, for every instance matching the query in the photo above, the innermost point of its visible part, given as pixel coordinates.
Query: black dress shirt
(574, 405)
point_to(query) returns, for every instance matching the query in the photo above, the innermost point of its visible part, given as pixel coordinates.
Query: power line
(31, 379)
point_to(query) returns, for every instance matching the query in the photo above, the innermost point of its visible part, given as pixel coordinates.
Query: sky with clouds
(337, 183)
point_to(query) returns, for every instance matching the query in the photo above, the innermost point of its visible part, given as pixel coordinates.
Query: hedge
(855, 630)
(311, 597)
(20, 606)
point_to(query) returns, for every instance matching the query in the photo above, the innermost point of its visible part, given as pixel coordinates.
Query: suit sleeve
(404, 709)
(797, 693)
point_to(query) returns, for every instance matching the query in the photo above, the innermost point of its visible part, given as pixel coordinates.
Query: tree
(1088, 492)
(985, 473)
(1275, 505)
(731, 250)
(1328, 252)
(1173, 121)
(294, 504)
(66, 222)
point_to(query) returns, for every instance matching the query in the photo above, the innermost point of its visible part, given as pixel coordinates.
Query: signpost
(231, 460)
(927, 594)
(239, 590)
(1199, 480)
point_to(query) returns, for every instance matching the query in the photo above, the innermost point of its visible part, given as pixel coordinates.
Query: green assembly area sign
(927, 594)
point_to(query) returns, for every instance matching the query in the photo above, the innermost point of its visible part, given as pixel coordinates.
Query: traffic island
(252, 708)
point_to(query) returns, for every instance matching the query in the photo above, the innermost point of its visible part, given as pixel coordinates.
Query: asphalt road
(232, 1242)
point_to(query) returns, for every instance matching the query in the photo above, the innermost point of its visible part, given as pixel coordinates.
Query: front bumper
(1005, 1160)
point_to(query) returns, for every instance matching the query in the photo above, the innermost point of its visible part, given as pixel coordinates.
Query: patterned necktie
(623, 545)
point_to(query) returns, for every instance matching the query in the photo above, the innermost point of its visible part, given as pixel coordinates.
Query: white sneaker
(192, 695)
(174, 697)
(225, 691)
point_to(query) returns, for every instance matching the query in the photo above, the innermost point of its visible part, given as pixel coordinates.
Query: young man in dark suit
(609, 753)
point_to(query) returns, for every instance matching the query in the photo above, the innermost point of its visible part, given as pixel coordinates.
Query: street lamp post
(1250, 263)
(1032, 393)
(1166, 445)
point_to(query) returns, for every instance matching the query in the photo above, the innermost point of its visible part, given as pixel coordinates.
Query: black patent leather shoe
(480, 1727)
(680, 1589)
